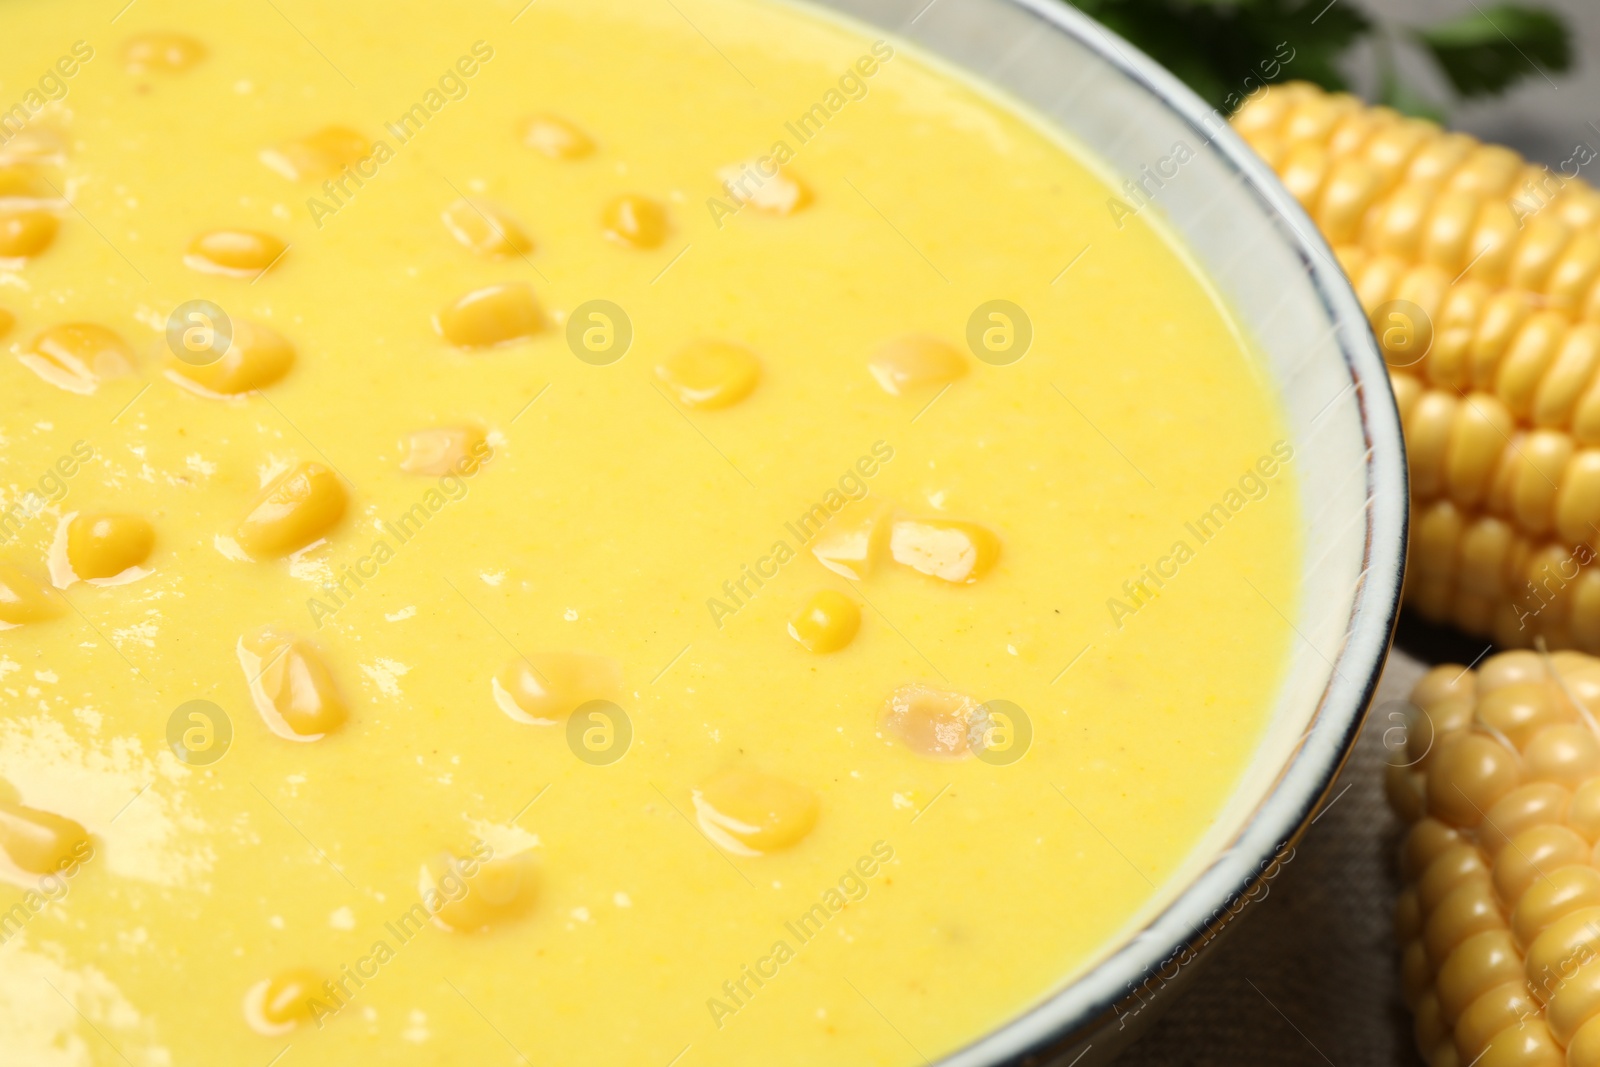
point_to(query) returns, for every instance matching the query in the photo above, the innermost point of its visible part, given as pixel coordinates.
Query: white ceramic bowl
(1270, 264)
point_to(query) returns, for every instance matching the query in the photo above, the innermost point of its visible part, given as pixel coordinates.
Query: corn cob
(1481, 273)
(1499, 781)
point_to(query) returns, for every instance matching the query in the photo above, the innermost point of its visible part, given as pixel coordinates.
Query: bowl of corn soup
(696, 533)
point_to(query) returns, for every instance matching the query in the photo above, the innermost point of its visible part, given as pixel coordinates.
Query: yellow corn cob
(1494, 353)
(1499, 922)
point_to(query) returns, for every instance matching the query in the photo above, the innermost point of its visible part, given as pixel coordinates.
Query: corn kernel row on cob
(1404, 189)
(1500, 917)
(1493, 349)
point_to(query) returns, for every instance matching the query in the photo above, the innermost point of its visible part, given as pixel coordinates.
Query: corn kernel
(237, 253)
(24, 600)
(827, 623)
(101, 546)
(749, 813)
(1426, 841)
(486, 230)
(635, 221)
(1573, 274)
(915, 363)
(1453, 866)
(290, 685)
(1574, 1002)
(1577, 356)
(854, 547)
(257, 356)
(78, 356)
(40, 842)
(299, 507)
(932, 722)
(26, 231)
(1527, 359)
(1510, 668)
(493, 315)
(1467, 775)
(1303, 171)
(1538, 248)
(34, 146)
(1532, 852)
(1534, 804)
(545, 688)
(443, 450)
(1519, 711)
(1428, 433)
(1477, 965)
(288, 999)
(774, 194)
(1584, 1048)
(1566, 753)
(1470, 908)
(1526, 1044)
(711, 374)
(556, 138)
(1558, 894)
(169, 53)
(7, 320)
(1478, 434)
(472, 894)
(318, 155)
(959, 552)
(1501, 1006)
(1351, 188)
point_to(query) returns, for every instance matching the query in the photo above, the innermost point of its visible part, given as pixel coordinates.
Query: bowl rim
(1073, 1017)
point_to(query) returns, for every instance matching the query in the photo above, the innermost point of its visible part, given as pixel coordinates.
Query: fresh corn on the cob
(1499, 779)
(1481, 273)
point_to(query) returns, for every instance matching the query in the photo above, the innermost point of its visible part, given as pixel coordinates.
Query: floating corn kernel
(23, 600)
(711, 374)
(1501, 915)
(932, 722)
(26, 231)
(102, 546)
(775, 194)
(299, 507)
(855, 546)
(915, 363)
(237, 253)
(169, 53)
(470, 894)
(40, 842)
(256, 357)
(34, 146)
(486, 230)
(318, 155)
(494, 315)
(953, 551)
(78, 356)
(635, 221)
(749, 813)
(7, 320)
(545, 688)
(827, 623)
(443, 450)
(556, 138)
(289, 999)
(290, 685)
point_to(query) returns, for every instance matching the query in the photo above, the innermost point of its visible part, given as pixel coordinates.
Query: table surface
(1310, 974)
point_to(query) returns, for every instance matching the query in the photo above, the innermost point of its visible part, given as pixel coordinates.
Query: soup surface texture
(592, 531)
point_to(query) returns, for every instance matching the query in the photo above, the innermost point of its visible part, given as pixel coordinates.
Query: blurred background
(1310, 976)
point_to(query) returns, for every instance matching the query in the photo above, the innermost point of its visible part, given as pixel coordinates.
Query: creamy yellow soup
(590, 531)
